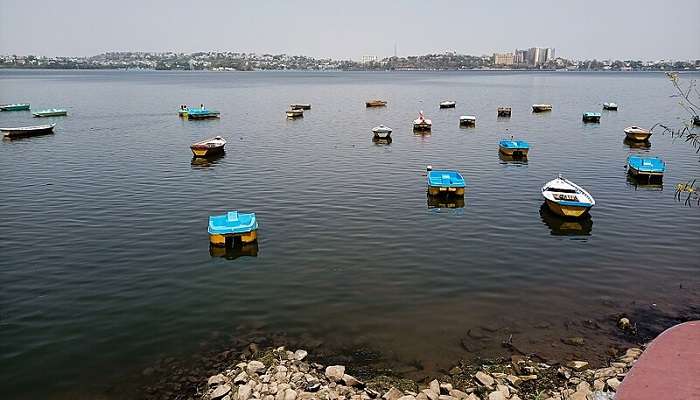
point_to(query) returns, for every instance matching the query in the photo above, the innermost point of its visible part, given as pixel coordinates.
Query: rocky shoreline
(281, 374)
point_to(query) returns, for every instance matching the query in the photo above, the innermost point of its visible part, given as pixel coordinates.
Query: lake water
(106, 264)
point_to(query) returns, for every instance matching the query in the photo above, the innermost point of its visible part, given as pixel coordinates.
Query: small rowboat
(566, 198)
(610, 106)
(448, 104)
(421, 123)
(537, 108)
(646, 166)
(208, 147)
(201, 113)
(504, 112)
(381, 131)
(514, 148)
(232, 225)
(375, 103)
(301, 106)
(443, 181)
(637, 134)
(591, 117)
(15, 107)
(26, 131)
(295, 113)
(53, 112)
(467, 120)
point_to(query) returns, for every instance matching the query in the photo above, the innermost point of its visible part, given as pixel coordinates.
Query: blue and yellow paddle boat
(225, 229)
(443, 181)
(198, 113)
(591, 117)
(648, 167)
(514, 148)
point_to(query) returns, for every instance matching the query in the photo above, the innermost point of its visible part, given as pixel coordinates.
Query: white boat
(467, 120)
(295, 113)
(381, 131)
(610, 106)
(566, 198)
(208, 147)
(637, 134)
(422, 123)
(541, 107)
(26, 131)
(448, 104)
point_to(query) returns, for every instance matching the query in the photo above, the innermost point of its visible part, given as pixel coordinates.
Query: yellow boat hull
(567, 211)
(638, 136)
(220, 240)
(514, 152)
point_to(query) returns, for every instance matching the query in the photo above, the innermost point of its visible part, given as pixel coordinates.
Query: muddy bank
(172, 378)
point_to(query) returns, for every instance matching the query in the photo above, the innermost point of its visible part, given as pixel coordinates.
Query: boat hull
(595, 118)
(442, 190)
(204, 151)
(504, 112)
(201, 116)
(220, 240)
(647, 174)
(51, 114)
(610, 108)
(382, 135)
(294, 114)
(371, 104)
(638, 136)
(422, 127)
(467, 122)
(300, 106)
(541, 109)
(567, 210)
(448, 105)
(514, 152)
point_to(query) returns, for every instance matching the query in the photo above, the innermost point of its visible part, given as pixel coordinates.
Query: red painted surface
(669, 368)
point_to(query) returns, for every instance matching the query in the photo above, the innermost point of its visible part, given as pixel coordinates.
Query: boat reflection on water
(445, 201)
(207, 162)
(236, 251)
(381, 141)
(560, 226)
(645, 183)
(511, 159)
(637, 145)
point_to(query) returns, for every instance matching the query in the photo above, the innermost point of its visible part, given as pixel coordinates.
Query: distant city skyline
(352, 30)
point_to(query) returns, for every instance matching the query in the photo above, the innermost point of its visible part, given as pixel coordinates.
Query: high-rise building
(503, 58)
(534, 56)
(520, 56)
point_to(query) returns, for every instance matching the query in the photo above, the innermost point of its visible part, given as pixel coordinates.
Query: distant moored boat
(467, 120)
(295, 113)
(14, 107)
(445, 182)
(201, 113)
(591, 117)
(514, 148)
(375, 103)
(649, 167)
(504, 112)
(421, 123)
(26, 131)
(537, 108)
(448, 104)
(381, 132)
(637, 134)
(208, 147)
(610, 106)
(52, 112)
(300, 106)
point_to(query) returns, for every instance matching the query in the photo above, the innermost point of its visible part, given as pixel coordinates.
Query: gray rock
(434, 386)
(613, 383)
(472, 396)
(335, 372)
(605, 373)
(513, 380)
(430, 394)
(445, 388)
(220, 391)
(503, 389)
(458, 394)
(598, 385)
(484, 378)
(240, 378)
(407, 397)
(422, 396)
(244, 392)
(577, 365)
(372, 393)
(352, 381)
(624, 323)
(290, 394)
(300, 355)
(393, 394)
(497, 395)
(255, 367)
(447, 397)
(216, 380)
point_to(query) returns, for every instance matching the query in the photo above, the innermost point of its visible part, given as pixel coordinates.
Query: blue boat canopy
(445, 178)
(232, 222)
(646, 164)
(200, 111)
(514, 144)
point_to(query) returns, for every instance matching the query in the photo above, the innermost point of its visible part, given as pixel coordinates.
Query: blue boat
(646, 166)
(445, 181)
(515, 148)
(201, 113)
(591, 117)
(233, 225)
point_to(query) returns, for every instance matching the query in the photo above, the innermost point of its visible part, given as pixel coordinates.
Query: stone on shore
(434, 386)
(577, 365)
(335, 373)
(216, 380)
(352, 381)
(497, 395)
(574, 341)
(244, 392)
(613, 383)
(484, 378)
(300, 355)
(392, 394)
(430, 394)
(255, 366)
(458, 394)
(624, 323)
(220, 391)
(407, 397)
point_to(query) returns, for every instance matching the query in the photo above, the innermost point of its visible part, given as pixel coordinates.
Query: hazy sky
(625, 29)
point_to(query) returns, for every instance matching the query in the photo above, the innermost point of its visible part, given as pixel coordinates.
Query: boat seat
(232, 216)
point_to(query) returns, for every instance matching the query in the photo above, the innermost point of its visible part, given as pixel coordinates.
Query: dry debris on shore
(279, 374)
